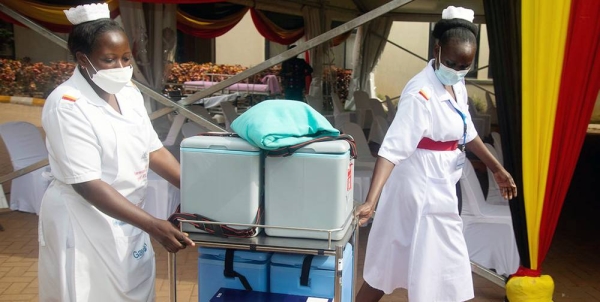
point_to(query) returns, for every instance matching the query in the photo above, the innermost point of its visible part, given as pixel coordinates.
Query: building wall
(29, 43)
(242, 45)
(396, 67)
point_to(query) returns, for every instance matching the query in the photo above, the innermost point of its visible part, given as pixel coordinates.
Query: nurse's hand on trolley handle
(364, 212)
(168, 236)
(109, 201)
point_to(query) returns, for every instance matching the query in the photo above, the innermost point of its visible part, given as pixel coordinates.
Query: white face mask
(111, 80)
(447, 75)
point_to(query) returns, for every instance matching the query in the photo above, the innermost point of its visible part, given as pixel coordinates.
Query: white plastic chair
(317, 104)
(491, 109)
(190, 129)
(379, 128)
(364, 157)
(494, 195)
(202, 111)
(391, 113)
(340, 116)
(173, 137)
(25, 147)
(229, 113)
(482, 122)
(162, 198)
(498, 146)
(364, 114)
(487, 228)
(377, 108)
(362, 183)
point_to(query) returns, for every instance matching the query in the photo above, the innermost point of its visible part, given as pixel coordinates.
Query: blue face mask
(449, 76)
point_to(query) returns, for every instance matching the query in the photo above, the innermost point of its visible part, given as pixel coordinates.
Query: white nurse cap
(87, 12)
(458, 13)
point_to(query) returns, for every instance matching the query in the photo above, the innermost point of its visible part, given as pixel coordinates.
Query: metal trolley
(266, 243)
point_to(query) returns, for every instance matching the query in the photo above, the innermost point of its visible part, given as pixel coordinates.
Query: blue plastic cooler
(236, 295)
(211, 264)
(286, 270)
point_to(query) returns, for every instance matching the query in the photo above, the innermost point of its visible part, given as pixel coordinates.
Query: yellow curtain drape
(544, 29)
(194, 22)
(47, 13)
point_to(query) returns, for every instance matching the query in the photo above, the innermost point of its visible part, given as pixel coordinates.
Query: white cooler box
(220, 179)
(310, 189)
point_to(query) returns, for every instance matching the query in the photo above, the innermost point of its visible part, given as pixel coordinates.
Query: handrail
(488, 274)
(18, 173)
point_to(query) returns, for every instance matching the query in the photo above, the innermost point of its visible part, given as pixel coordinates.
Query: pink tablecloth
(239, 87)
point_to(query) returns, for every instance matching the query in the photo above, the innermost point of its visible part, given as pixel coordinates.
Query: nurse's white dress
(416, 239)
(86, 255)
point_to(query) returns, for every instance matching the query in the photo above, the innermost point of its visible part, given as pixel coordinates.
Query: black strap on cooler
(228, 272)
(304, 274)
(220, 230)
(222, 134)
(289, 150)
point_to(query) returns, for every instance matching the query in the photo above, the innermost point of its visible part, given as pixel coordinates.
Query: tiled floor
(572, 262)
(18, 266)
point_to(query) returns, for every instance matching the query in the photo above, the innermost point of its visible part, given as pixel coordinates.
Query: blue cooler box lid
(295, 260)
(238, 295)
(238, 256)
(329, 147)
(218, 143)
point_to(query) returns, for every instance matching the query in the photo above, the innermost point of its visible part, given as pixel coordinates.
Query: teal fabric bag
(273, 124)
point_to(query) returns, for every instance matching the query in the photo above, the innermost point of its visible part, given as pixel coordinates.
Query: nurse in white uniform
(416, 239)
(94, 236)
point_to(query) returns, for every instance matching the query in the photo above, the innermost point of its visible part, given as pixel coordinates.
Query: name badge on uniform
(460, 161)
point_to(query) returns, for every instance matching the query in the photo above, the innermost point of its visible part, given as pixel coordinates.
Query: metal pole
(39, 29)
(318, 40)
(470, 82)
(487, 274)
(12, 175)
(397, 45)
(355, 243)
(181, 109)
(143, 88)
(172, 274)
(339, 260)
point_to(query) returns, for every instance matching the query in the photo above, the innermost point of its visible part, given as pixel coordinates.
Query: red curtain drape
(341, 38)
(580, 83)
(272, 32)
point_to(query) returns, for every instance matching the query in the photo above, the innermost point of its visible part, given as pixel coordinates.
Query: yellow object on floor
(530, 289)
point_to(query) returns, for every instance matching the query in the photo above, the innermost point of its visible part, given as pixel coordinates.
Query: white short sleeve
(133, 92)
(72, 145)
(409, 126)
(155, 142)
(471, 131)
